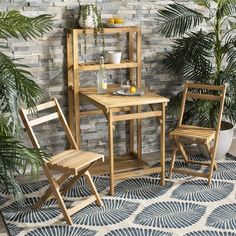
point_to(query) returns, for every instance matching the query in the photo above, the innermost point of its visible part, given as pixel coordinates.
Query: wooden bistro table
(111, 105)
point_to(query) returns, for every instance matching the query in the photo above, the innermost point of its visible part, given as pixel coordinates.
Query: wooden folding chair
(198, 134)
(70, 162)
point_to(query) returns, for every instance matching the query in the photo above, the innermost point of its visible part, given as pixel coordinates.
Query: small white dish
(115, 25)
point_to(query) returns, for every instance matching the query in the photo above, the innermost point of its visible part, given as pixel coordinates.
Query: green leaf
(14, 157)
(16, 88)
(189, 58)
(13, 24)
(232, 25)
(204, 3)
(176, 20)
(226, 8)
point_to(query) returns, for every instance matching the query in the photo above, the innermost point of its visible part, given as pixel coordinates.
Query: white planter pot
(90, 22)
(114, 57)
(224, 141)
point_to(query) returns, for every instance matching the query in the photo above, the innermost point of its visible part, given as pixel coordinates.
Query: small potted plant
(90, 17)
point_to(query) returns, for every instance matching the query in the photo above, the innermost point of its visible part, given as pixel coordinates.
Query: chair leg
(93, 188)
(212, 165)
(172, 163)
(56, 191)
(73, 180)
(210, 155)
(181, 148)
(49, 192)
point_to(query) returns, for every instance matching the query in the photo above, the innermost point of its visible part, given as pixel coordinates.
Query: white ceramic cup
(114, 57)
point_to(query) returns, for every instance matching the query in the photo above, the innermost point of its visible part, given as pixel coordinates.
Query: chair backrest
(204, 92)
(58, 114)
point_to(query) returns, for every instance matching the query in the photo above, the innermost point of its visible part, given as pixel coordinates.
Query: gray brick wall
(46, 58)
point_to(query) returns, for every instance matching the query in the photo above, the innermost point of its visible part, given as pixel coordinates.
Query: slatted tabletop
(109, 101)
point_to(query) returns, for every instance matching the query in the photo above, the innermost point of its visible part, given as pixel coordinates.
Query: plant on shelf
(204, 54)
(90, 17)
(17, 89)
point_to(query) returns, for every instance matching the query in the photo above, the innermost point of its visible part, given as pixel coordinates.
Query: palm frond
(232, 25)
(226, 8)
(176, 20)
(189, 58)
(204, 3)
(16, 88)
(14, 157)
(13, 24)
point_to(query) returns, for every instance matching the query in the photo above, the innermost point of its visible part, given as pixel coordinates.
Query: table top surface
(109, 101)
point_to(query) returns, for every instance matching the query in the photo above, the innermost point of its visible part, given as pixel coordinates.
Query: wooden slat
(92, 89)
(195, 127)
(61, 155)
(205, 86)
(76, 85)
(204, 134)
(45, 105)
(163, 136)
(82, 160)
(190, 172)
(199, 162)
(65, 155)
(80, 205)
(107, 30)
(134, 116)
(111, 152)
(135, 173)
(125, 162)
(91, 113)
(61, 169)
(108, 101)
(43, 119)
(100, 112)
(93, 188)
(121, 65)
(204, 96)
(70, 81)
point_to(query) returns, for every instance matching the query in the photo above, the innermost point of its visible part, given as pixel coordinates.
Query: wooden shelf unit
(74, 67)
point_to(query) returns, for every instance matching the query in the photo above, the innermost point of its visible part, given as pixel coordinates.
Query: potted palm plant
(204, 51)
(17, 89)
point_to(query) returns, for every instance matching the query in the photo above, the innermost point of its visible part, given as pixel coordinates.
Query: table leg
(139, 134)
(163, 144)
(111, 152)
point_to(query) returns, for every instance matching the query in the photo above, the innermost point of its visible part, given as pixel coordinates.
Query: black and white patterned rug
(186, 206)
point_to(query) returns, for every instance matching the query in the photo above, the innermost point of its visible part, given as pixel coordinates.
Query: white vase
(90, 21)
(224, 141)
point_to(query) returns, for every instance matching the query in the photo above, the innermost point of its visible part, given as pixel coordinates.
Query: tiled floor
(148, 157)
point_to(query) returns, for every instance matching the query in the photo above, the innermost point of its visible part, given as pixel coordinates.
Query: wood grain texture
(196, 133)
(70, 162)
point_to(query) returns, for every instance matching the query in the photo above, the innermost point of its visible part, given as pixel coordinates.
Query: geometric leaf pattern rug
(185, 206)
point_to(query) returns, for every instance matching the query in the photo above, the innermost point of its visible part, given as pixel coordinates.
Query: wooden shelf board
(108, 30)
(95, 66)
(122, 163)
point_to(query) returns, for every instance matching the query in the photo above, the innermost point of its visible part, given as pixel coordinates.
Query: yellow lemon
(111, 21)
(132, 89)
(118, 21)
